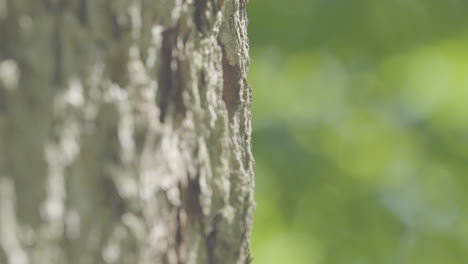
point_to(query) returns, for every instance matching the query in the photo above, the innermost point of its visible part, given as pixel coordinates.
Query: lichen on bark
(124, 132)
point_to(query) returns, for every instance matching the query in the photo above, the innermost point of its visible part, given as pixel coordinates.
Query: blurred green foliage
(360, 131)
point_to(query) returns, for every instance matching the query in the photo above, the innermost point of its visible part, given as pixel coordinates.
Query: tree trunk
(124, 132)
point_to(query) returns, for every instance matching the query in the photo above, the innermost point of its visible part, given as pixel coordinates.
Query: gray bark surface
(124, 132)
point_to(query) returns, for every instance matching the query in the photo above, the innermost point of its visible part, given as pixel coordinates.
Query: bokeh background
(360, 120)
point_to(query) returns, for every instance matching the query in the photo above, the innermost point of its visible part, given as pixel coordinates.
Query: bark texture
(124, 132)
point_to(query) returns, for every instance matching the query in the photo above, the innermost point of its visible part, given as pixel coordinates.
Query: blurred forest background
(360, 131)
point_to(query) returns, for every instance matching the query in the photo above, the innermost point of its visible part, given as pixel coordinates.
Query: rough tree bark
(124, 132)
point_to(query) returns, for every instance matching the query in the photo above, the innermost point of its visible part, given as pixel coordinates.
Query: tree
(124, 132)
